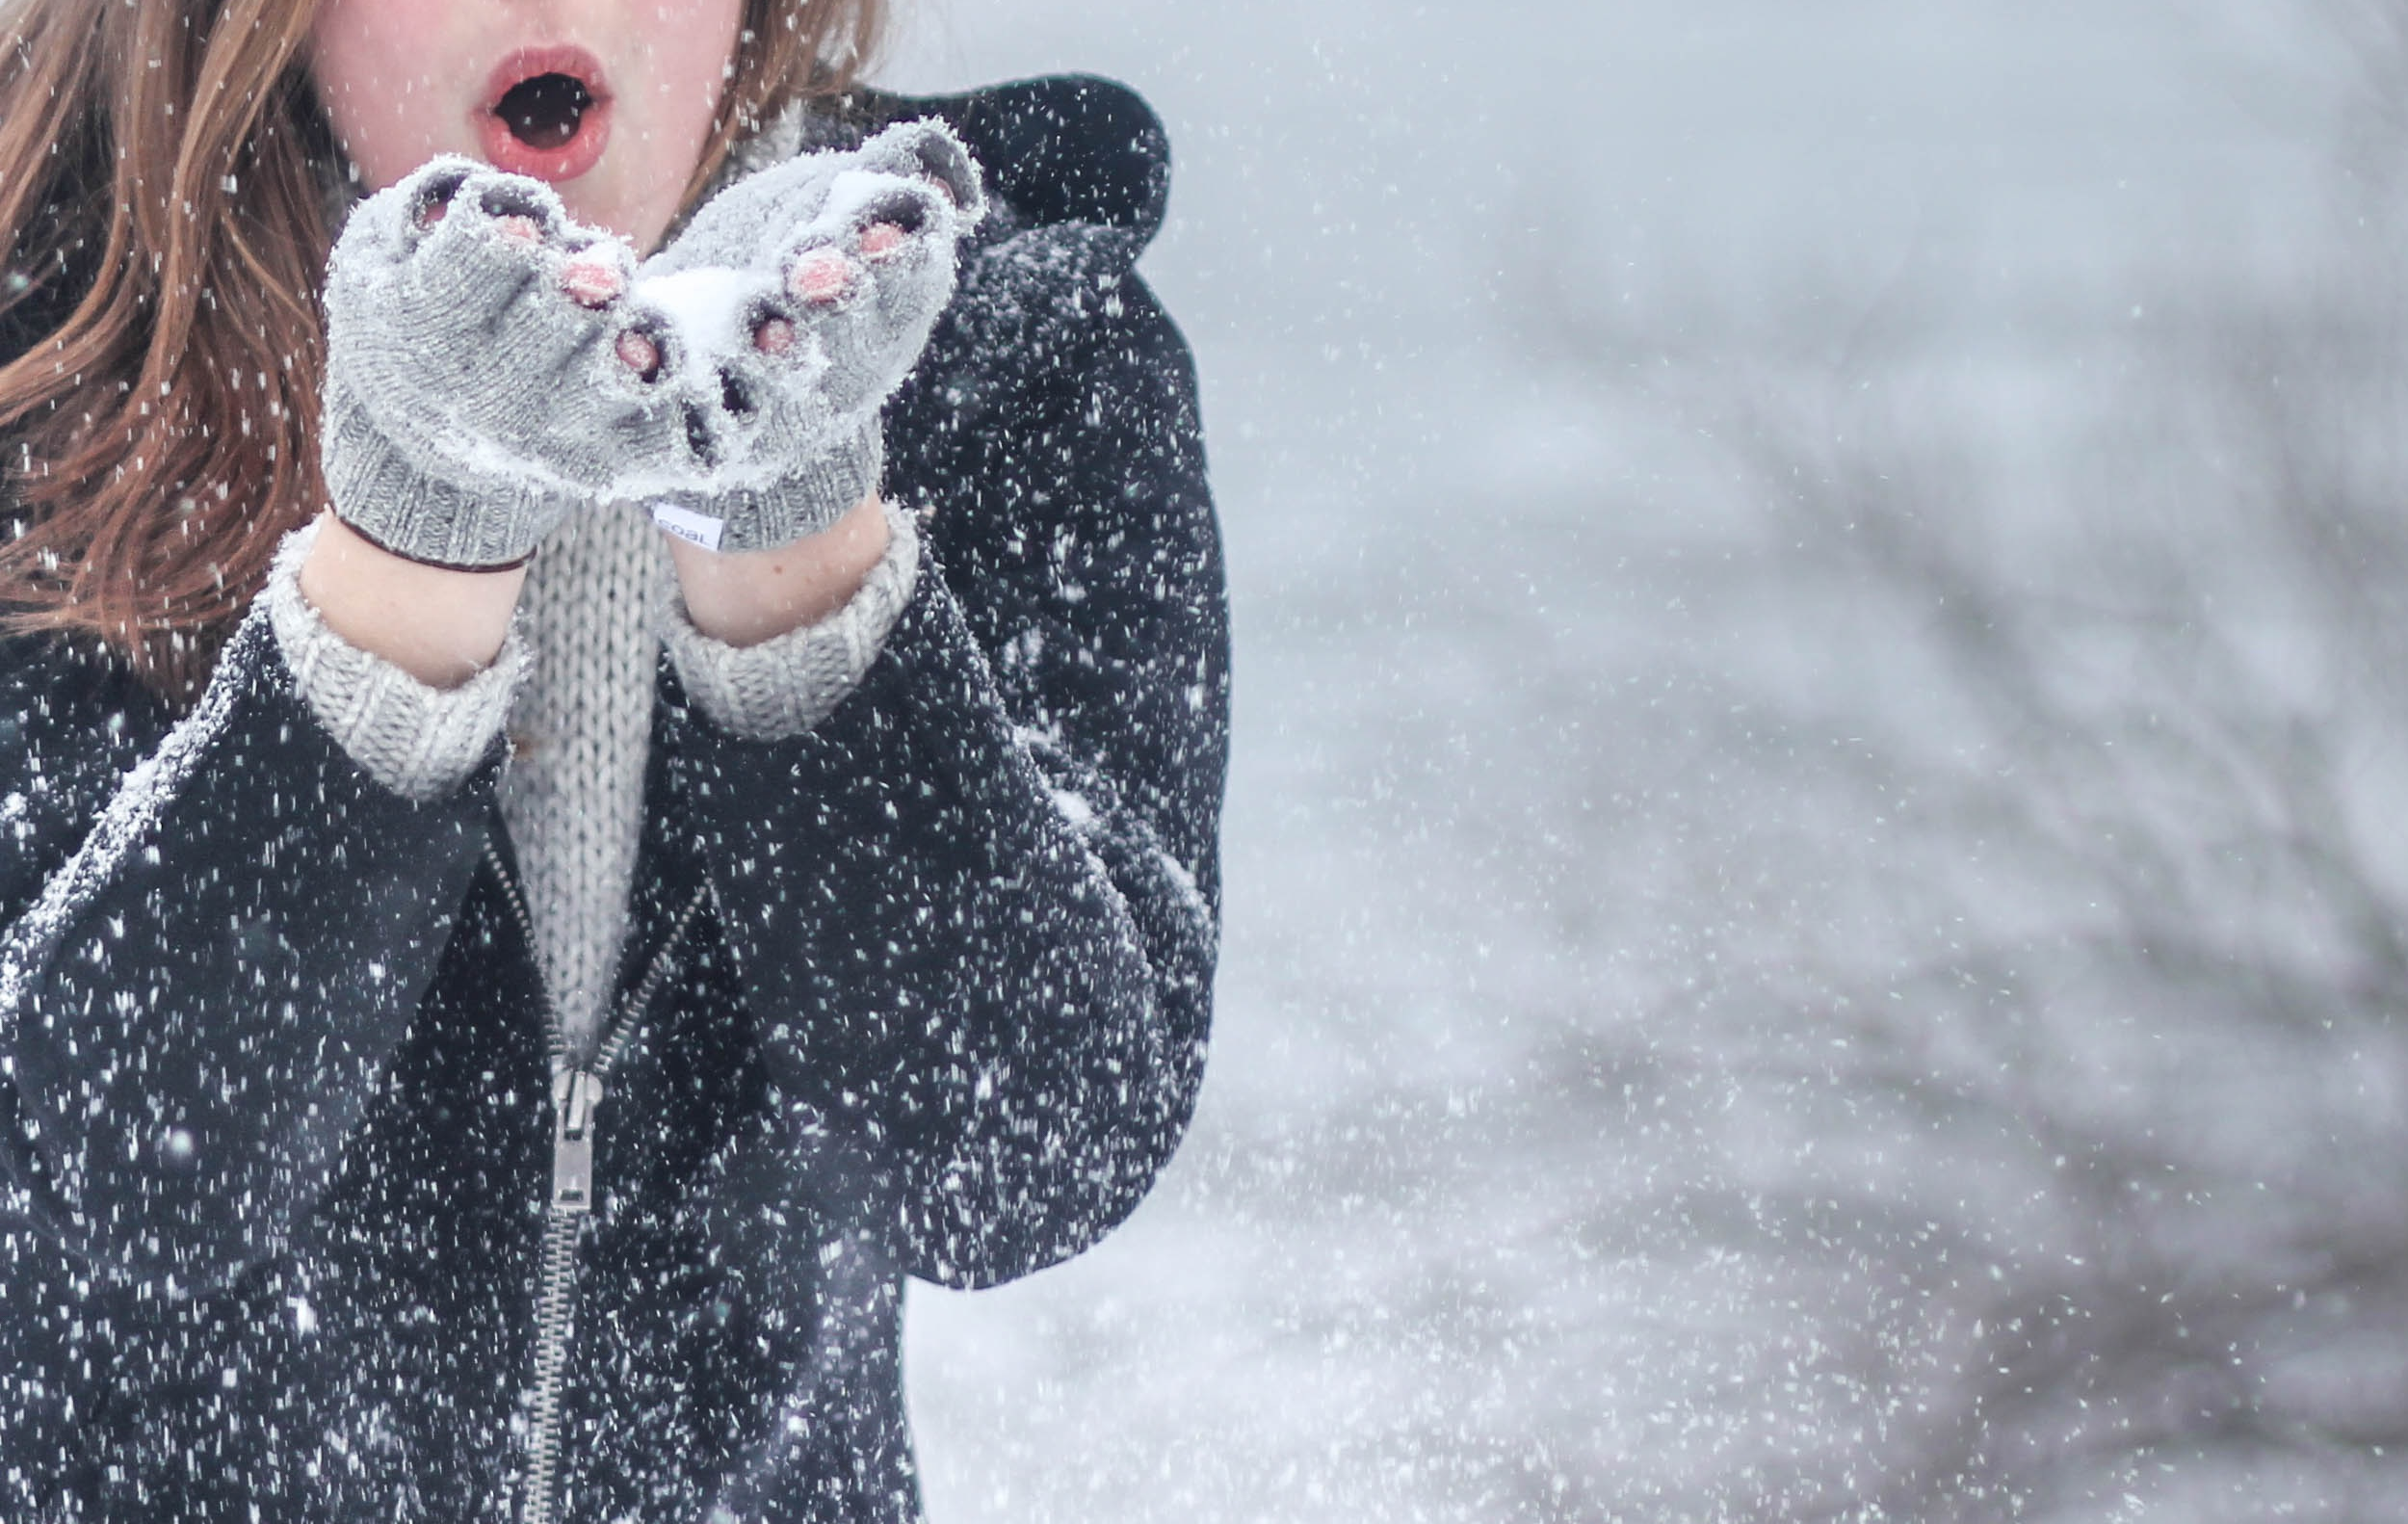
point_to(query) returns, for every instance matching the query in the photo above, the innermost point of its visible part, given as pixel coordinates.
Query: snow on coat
(275, 1131)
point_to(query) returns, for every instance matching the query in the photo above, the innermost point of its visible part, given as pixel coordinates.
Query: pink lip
(571, 159)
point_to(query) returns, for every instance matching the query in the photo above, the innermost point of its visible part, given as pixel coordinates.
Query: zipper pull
(575, 1094)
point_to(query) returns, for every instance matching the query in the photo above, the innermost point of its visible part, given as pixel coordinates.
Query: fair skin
(404, 80)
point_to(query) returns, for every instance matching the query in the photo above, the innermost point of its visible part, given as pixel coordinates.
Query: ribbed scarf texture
(573, 796)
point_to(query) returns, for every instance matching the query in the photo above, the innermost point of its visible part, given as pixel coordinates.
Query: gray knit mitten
(484, 372)
(796, 301)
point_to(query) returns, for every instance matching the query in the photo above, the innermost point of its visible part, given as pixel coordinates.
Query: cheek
(659, 136)
(376, 67)
(691, 43)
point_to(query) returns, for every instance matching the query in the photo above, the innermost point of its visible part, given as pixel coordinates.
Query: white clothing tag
(687, 525)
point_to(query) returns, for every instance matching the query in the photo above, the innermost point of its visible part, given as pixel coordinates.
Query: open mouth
(546, 114)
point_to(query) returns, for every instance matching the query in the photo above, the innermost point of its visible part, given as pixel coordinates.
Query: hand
(485, 373)
(795, 303)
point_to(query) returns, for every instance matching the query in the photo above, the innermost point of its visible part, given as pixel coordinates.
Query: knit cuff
(784, 686)
(419, 741)
(814, 494)
(404, 508)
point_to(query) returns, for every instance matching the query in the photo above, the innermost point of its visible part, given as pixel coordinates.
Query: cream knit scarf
(580, 734)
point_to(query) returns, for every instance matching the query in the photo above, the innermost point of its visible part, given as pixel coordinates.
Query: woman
(398, 1128)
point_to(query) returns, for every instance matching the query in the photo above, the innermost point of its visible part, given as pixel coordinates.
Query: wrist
(743, 597)
(441, 627)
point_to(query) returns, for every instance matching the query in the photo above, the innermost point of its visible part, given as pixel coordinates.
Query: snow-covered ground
(1812, 911)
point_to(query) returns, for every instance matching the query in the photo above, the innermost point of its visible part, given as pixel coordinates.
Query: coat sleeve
(213, 934)
(976, 909)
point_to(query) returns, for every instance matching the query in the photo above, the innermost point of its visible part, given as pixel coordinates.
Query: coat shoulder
(1062, 149)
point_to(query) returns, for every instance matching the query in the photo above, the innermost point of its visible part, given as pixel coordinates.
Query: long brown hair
(164, 178)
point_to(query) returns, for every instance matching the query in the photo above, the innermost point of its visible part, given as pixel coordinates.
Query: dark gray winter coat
(275, 1131)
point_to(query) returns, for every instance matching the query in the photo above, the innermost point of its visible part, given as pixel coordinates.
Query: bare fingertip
(823, 274)
(639, 352)
(592, 282)
(774, 337)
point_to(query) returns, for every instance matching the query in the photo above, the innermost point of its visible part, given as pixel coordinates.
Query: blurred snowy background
(1817, 874)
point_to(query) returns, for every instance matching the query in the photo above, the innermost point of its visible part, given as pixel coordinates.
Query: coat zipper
(576, 1097)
